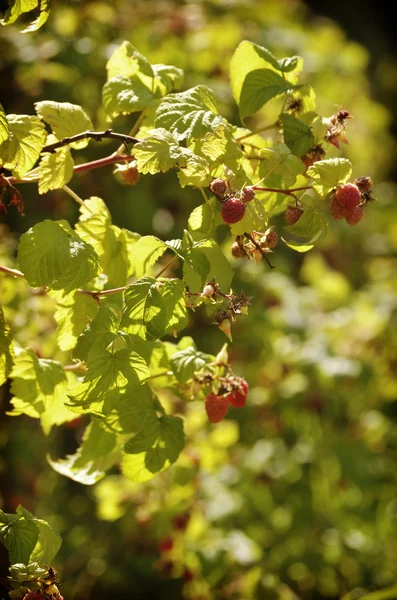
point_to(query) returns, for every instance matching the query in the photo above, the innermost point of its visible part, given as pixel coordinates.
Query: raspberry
(271, 239)
(165, 545)
(218, 187)
(247, 194)
(337, 211)
(348, 196)
(180, 522)
(355, 215)
(33, 596)
(216, 407)
(232, 211)
(293, 214)
(130, 175)
(238, 251)
(238, 397)
(209, 290)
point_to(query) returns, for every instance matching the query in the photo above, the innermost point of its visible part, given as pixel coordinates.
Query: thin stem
(13, 272)
(166, 266)
(257, 246)
(101, 292)
(288, 192)
(163, 374)
(95, 135)
(79, 366)
(204, 194)
(266, 128)
(134, 129)
(75, 197)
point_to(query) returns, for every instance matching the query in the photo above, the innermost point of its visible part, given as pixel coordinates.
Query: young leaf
(65, 120)
(196, 172)
(189, 114)
(260, 86)
(279, 160)
(297, 135)
(219, 145)
(6, 349)
(72, 314)
(4, 130)
(145, 253)
(56, 170)
(158, 152)
(39, 388)
(125, 95)
(154, 450)
(167, 78)
(186, 362)
(22, 148)
(127, 61)
(327, 174)
(51, 253)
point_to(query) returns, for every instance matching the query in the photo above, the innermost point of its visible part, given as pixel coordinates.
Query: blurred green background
(294, 496)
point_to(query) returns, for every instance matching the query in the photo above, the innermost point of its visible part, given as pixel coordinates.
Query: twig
(75, 197)
(13, 272)
(167, 265)
(279, 191)
(95, 135)
(257, 246)
(266, 128)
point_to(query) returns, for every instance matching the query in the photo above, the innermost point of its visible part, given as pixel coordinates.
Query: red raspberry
(355, 215)
(216, 407)
(348, 196)
(238, 397)
(337, 211)
(180, 522)
(247, 194)
(218, 187)
(238, 251)
(271, 239)
(232, 211)
(33, 596)
(130, 176)
(293, 214)
(165, 545)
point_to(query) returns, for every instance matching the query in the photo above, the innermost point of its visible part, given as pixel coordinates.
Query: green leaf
(4, 130)
(6, 349)
(145, 253)
(39, 388)
(186, 362)
(125, 95)
(72, 314)
(18, 7)
(65, 120)
(167, 78)
(154, 307)
(196, 172)
(95, 228)
(51, 253)
(219, 145)
(297, 135)
(55, 169)
(219, 267)
(311, 226)
(156, 449)
(132, 410)
(279, 160)
(44, 6)
(22, 148)
(127, 61)
(98, 452)
(255, 218)
(189, 114)
(327, 174)
(99, 333)
(158, 152)
(201, 220)
(48, 543)
(20, 538)
(258, 88)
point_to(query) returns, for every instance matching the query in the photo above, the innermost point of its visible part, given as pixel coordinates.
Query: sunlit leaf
(65, 120)
(22, 148)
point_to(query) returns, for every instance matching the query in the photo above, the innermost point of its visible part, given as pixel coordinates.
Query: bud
(209, 290)
(226, 328)
(222, 357)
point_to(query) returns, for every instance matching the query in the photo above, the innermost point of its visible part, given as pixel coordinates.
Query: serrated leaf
(6, 349)
(158, 152)
(18, 7)
(167, 78)
(126, 60)
(95, 228)
(219, 267)
(186, 362)
(72, 314)
(311, 226)
(145, 253)
(163, 439)
(201, 220)
(125, 95)
(22, 148)
(220, 145)
(44, 6)
(98, 452)
(55, 170)
(20, 538)
(99, 332)
(297, 135)
(154, 307)
(189, 114)
(4, 130)
(327, 174)
(258, 88)
(65, 120)
(196, 172)
(47, 545)
(133, 408)
(51, 253)
(279, 161)
(307, 97)
(255, 218)
(39, 390)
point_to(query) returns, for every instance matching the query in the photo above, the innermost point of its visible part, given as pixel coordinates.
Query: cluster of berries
(233, 203)
(233, 392)
(348, 201)
(167, 565)
(254, 246)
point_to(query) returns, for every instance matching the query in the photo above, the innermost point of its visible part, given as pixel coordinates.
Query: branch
(290, 192)
(95, 135)
(257, 246)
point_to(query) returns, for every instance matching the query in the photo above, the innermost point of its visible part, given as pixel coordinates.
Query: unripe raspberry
(364, 184)
(238, 251)
(238, 397)
(271, 239)
(216, 407)
(232, 211)
(337, 211)
(348, 196)
(355, 215)
(293, 214)
(209, 290)
(247, 194)
(130, 175)
(218, 187)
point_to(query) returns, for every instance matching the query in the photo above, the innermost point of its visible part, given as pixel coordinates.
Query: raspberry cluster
(217, 405)
(346, 204)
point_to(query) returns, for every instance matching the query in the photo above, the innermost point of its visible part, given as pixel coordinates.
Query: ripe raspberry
(232, 211)
(247, 194)
(355, 215)
(364, 184)
(216, 407)
(337, 211)
(33, 596)
(238, 397)
(293, 214)
(180, 522)
(130, 175)
(218, 187)
(165, 545)
(238, 251)
(271, 239)
(348, 196)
